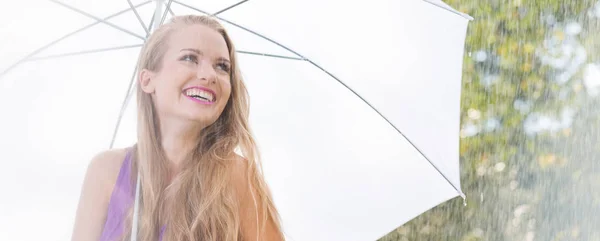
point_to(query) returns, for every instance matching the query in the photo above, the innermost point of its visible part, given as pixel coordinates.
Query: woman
(192, 115)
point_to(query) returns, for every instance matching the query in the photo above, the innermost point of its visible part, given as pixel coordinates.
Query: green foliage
(521, 186)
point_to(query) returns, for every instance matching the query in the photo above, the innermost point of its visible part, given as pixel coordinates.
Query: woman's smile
(200, 95)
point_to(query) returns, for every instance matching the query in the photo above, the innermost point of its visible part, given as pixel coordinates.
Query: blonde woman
(192, 114)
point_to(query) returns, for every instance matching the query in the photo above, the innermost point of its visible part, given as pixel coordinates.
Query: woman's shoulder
(239, 167)
(100, 177)
(108, 161)
(104, 168)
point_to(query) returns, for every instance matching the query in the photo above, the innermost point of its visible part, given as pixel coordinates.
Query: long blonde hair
(203, 204)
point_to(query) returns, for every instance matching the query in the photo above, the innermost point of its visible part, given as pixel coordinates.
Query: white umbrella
(354, 104)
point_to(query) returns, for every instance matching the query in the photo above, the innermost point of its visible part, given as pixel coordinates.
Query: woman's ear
(146, 81)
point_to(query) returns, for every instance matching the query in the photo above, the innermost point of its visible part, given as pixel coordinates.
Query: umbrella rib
(269, 55)
(342, 83)
(170, 11)
(389, 122)
(243, 28)
(228, 8)
(66, 36)
(97, 18)
(132, 83)
(444, 6)
(130, 89)
(83, 52)
(150, 26)
(164, 15)
(123, 108)
(137, 15)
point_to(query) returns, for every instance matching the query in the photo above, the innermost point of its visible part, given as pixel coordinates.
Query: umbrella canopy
(354, 104)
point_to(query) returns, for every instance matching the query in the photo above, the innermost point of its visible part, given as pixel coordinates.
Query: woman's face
(194, 80)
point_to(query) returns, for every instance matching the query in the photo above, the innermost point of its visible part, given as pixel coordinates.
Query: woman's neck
(178, 139)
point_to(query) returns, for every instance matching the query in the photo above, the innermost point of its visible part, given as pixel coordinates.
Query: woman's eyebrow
(223, 59)
(192, 50)
(197, 51)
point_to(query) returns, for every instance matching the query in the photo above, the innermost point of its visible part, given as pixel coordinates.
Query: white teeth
(197, 92)
(207, 95)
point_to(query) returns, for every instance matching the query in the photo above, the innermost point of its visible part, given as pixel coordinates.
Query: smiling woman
(192, 114)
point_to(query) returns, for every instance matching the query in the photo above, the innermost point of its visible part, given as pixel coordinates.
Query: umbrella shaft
(157, 14)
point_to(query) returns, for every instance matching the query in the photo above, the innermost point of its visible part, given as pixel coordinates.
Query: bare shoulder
(240, 166)
(109, 157)
(239, 176)
(104, 168)
(100, 177)
(107, 162)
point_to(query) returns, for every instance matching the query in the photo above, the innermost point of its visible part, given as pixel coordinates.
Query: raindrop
(488, 80)
(530, 236)
(550, 19)
(522, 106)
(520, 210)
(469, 130)
(596, 10)
(573, 28)
(481, 171)
(492, 124)
(474, 114)
(499, 167)
(591, 79)
(480, 56)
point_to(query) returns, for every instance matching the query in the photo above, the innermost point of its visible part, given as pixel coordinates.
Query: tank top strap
(120, 201)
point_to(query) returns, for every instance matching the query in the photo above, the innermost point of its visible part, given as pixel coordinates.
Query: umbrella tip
(447, 7)
(464, 198)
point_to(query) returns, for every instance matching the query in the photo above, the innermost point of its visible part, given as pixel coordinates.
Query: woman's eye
(190, 57)
(223, 66)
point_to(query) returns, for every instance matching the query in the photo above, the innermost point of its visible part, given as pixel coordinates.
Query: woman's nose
(206, 72)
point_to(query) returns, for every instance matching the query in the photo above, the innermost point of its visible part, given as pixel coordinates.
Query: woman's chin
(200, 117)
(202, 120)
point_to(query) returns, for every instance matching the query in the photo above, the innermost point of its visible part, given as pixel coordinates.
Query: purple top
(121, 201)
